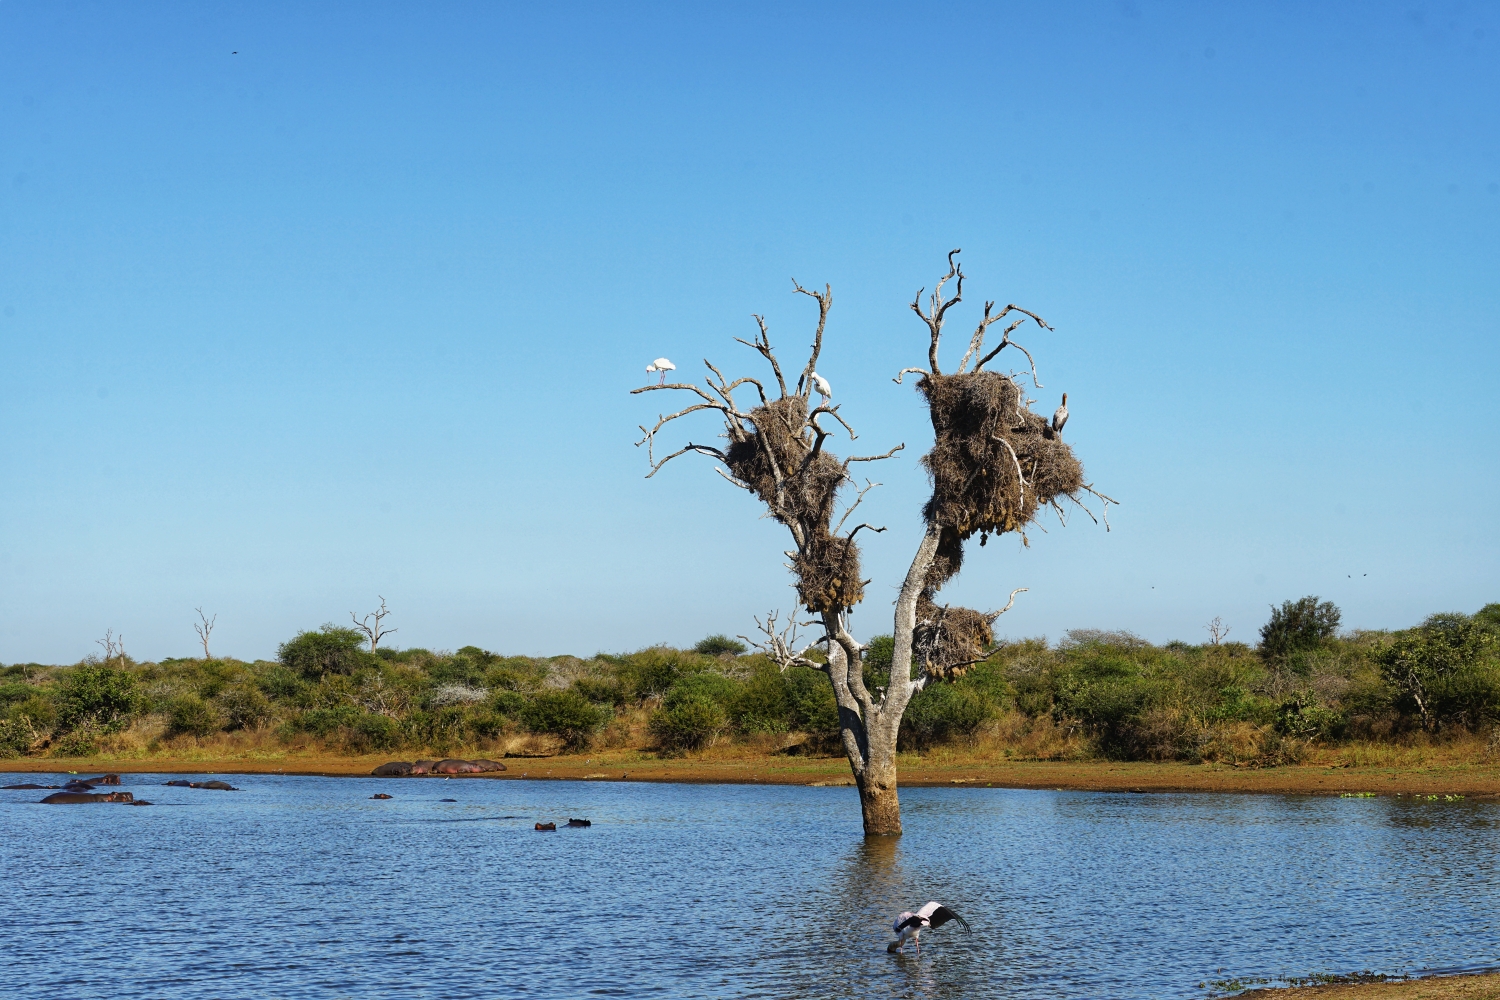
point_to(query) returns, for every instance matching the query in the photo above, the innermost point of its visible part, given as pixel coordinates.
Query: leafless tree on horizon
(203, 629)
(373, 632)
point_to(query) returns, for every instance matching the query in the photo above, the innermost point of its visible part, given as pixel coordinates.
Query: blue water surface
(305, 887)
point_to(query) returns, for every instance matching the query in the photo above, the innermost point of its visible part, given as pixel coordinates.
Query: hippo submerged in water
(218, 786)
(76, 798)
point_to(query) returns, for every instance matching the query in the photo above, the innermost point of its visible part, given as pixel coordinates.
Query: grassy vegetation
(1380, 697)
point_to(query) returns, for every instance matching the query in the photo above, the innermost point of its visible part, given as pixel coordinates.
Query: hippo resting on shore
(72, 798)
(402, 769)
(466, 766)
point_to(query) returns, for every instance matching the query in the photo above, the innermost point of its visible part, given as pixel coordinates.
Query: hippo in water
(75, 798)
(218, 786)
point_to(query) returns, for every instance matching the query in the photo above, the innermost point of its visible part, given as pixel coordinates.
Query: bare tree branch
(763, 345)
(779, 643)
(937, 308)
(858, 499)
(701, 449)
(373, 632)
(203, 628)
(908, 371)
(858, 526)
(825, 301)
(872, 458)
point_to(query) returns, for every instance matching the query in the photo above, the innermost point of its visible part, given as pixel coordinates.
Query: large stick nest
(975, 486)
(949, 640)
(803, 496)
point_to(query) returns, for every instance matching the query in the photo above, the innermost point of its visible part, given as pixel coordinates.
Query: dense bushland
(1094, 694)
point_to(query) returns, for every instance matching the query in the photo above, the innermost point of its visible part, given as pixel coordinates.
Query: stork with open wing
(910, 925)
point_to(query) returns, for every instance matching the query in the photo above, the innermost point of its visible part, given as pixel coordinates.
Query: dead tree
(114, 646)
(994, 466)
(373, 632)
(203, 629)
(1217, 630)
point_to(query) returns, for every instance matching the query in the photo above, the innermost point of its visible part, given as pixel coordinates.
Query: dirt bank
(1480, 987)
(1470, 780)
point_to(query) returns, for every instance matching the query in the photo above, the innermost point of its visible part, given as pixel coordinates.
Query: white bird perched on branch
(824, 389)
(1060, 416)
(661, 365)
(909, 925)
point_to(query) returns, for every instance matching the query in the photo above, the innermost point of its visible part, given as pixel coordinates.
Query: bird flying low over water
(909, 925)
(1060, 416)
(661, 365)
(824, 389)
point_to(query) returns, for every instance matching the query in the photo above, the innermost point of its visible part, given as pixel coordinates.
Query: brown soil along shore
(1473, 781)
(1480, 987)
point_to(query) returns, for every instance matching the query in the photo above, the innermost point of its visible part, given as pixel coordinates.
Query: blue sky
(356, 310)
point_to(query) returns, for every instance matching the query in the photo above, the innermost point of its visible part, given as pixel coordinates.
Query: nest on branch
(827, 571)
(950, 640)
(779, 439)
(993, 462)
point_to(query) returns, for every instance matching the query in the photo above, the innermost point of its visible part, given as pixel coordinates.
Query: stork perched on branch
(1060, 416)
(824, 389)
(661, 365)
(909, 925)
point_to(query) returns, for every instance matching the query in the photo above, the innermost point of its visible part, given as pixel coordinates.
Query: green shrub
(719, 645)
(763, 705)
(188, 714)
(508, 704)
(15, 691)
(650, 672)
(814, 709)
(943, 713)
(1301, 717)
(15, 738)
(567, 714)
(692, 722)
(80, 742)
(600, 691)
(96, 691)
(280, 682)
(1298, 625)
(324, 722)
(375, 732)
(244, 707)
(330, 650)
(1444, 671)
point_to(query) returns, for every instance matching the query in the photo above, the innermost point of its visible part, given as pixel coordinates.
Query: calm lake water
(304, 887)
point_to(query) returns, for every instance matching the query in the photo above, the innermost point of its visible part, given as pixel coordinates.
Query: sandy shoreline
(1470, 781)
(1481, 986)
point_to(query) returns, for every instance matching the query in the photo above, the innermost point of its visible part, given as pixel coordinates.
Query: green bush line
(1129, 699)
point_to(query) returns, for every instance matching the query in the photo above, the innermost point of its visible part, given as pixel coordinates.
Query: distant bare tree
(1217, 630)
(373, 632)
(994, 464)
(203, 630)
(114, 646)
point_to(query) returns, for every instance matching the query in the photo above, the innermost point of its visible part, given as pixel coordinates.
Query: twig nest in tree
(993, 461)
(828, 578)
(802, 496)
(949, 640)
